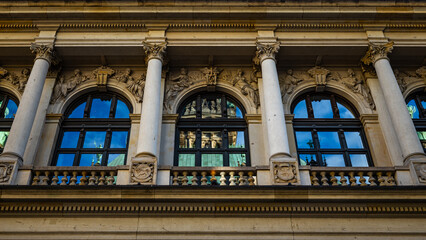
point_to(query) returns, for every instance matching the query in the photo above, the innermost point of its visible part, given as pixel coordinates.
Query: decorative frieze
(357, 85)
(66, 85)
(247, 86)
(135, 86)
(289, 82)
(19, 80)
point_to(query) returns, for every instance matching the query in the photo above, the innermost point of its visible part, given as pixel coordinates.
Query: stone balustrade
(208, 176)
(69, 176)
(352, 176)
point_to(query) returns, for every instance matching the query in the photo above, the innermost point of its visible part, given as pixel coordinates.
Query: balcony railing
(208, 176)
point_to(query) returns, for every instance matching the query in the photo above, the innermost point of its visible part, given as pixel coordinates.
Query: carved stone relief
(321, 76)
(357, 85)
(143, 171)
(406, 77)
(18, 79)
(175, 84)
(135, 86)
(248, 87)
(284, 172)
(101, 74)
(421, 172)
(210, 75)
(66, 85)
(5, 172)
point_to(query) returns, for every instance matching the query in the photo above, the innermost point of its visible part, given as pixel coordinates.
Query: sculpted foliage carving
(376, 52)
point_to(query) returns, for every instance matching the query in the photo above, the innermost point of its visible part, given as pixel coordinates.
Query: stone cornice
(102, 25)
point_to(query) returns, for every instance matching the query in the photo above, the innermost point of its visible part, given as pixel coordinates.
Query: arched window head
(416, 105)
(211, 132)
(8, 108)
(95, 131)
(328, 132)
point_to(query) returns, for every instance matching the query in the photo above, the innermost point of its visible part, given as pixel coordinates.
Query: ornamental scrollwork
(157, 51)
(142, 172)
(211, 75)
(265, 51)
(284, 172)
(5, 172)
(376, 52)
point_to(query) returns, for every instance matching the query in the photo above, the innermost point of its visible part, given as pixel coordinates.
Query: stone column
(283, 168)
(143, 168)
(11, 158)
(412, 151)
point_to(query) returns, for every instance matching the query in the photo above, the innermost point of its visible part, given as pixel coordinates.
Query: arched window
(8, 108)
(95, 131)
(328, 132)
(211, 132)
(416, 104)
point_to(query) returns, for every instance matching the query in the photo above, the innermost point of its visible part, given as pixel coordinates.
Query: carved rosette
(376, 52)
(5, 172)
(45, 52)
(265, 51)
(284, 172)
(143, 170)
(157, 51)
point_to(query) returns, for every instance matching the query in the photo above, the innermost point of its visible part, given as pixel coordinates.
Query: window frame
(6, 123)
(419, 123)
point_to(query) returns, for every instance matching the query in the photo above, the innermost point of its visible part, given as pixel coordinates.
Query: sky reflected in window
(100, 108)
(359, 160)
(94, 140)
(65, 160)
(300, 110)
(78, 112)
(90, 159)
(304, 140)
(11, 109)
(333, 160)
(322, 108)
(70, 139)
(122, 111)
(119, 140)
(329, 140)
(308, 159)
(353, 140)
(344, 112)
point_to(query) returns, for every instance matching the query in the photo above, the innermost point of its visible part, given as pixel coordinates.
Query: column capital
(376, 52)
(265, 51)
(154, 51)
(44, 51)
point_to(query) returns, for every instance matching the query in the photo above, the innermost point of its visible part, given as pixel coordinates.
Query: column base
(417, 165)
(9, 164)
(143, 170)
(284, 170)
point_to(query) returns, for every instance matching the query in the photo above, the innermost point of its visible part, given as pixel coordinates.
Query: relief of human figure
(290, 82)
(125, 77)
(63, 87)
(23, 79)
(247, 88)
(357, 86)
(137, 86)
(177, 84)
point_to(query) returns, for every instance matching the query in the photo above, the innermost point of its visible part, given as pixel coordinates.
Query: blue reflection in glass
(322, 108)
(412, 109)
(236, 139)
(333, 160)
(65, 160)
(116, 159)
(304, 140)
(344, 112)
(94, 140)
(78, 112)
(11, 109)
(328, 140)
(119, 140)
(353, 140)
(359, 160)
(100, 108)
(308, 159)
(70, 140)
(122, 111)
(91, 159)
(300, 110)
(233, 110)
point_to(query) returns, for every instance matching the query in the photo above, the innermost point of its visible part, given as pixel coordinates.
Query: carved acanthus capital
(45, 52)
(376, 52)
(157, 51)
(265, 51)
(3, 72)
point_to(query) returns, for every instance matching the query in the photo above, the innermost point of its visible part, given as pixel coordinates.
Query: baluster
(175, 180)
(45, 180)
(83, 179)
(381, 179)
(203, 178)
(185, 178)
(36, 178)
(64, 179)
(241, 179)
(232, 179)
(194, 180)
(213, 180)
(371, 179)
(362, 180)
(102, 179)
(333, 179)
(111, 179)
(324, 179)
(343, 179)
(314, 179)
(73, 180)
(92, 178)
(55, 178)
(251, 178)
(352, 179)
(390, 180)
(222, 179)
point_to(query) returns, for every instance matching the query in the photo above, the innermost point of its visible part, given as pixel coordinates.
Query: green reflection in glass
(186, 160)
(116, 159)
(3, 138)
(236, 139)
(412, 109)
(237, 160)
(211, 160)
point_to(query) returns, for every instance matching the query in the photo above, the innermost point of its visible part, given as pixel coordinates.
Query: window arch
(328, 132)
(8, 108)
(95, 131)
(211, 132)
(416, 104)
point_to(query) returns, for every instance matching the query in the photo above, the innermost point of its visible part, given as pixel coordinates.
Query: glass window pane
(187, 139)
(237, 160)
(300, 110)
(3, 138)
(94, 140)
(423, 103)
(70, 140)
(211, 139)
(186, 160)
(122, 111)
(412, 109)
(190, 110)
(422, 137)
(78, 112)
(322, 108)
(333, 160)
(100, 108)
(119, 140)
(211, 107)
(116, 159)
(233, 111)
(11, 109)
(359, 160)
(211, 160)
(308, 159)
(236, 139)
(304, 140)
(344, 112)
(92, 159)
(353, 140)
(328, 140)
(65, 160)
